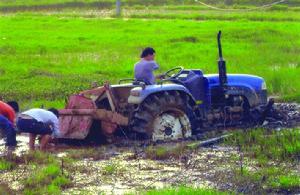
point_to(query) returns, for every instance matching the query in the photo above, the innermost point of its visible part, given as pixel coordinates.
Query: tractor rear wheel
(165, 116)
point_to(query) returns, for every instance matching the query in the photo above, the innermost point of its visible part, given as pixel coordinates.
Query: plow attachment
(80, 113)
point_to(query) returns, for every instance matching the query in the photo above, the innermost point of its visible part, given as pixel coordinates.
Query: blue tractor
(186, 103)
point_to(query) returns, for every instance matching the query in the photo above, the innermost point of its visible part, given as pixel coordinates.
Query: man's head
(14, 105)
(148, 53)
(54, 111)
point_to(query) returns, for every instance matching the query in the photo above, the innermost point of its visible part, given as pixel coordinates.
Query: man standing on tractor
(7, 122)
(143, 70)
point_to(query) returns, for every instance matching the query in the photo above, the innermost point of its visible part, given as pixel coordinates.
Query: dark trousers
(8, 130)
(33, 126)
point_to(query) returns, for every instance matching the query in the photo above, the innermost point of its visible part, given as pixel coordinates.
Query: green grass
(47, 180)
(184, 191)
(47, 174)
(95, 154)
(38, 158)
(143, 2)
(112, 168)
(219, 15)
(270, 179)
(288, 182)
(45, 58)
(268, 145)
(47, 2)
(274, 154)
(166, 152)
(6, 165)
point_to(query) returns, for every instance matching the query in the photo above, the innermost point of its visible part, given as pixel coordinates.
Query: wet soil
(123, 169)
(120, 170)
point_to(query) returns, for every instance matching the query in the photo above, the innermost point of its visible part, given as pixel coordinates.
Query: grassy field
(47, 55)
(275, 155)
(143, 2)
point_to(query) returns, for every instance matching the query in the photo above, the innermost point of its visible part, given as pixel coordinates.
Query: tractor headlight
(264, 86)
(135, 93)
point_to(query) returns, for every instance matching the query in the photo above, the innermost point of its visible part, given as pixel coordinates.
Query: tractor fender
(244, 90)
(139, 94)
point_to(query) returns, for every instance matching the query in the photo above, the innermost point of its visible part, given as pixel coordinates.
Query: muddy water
(13, 178)
(122, 172)
(197, 169)
(22, 145)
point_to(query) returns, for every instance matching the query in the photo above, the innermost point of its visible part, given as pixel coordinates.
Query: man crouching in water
(39, 122)
(143, 70)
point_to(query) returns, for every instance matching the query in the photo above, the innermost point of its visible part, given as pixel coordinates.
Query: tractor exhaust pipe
(221, 64)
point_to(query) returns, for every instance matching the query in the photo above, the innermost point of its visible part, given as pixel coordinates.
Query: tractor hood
(245, 80)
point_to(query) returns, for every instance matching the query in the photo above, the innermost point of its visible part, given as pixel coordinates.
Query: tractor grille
(263, 97)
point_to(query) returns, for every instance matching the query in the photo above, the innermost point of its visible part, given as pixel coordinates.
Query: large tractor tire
(165, 116)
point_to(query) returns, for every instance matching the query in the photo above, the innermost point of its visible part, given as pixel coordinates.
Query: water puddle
(126, 175)
(22, 145)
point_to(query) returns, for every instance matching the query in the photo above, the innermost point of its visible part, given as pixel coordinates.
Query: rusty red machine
(81, 111)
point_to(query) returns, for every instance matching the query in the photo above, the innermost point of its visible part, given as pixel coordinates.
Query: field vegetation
(44, 173)
(275, 156)
(7, 3)
(47, 55)
(51, 49)
(182, 190)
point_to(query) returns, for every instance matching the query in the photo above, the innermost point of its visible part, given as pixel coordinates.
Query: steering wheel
(178, 70)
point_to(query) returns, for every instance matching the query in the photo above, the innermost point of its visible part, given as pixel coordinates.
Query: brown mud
(123, 169)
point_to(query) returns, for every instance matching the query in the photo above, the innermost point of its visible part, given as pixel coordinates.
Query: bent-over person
(38, 121)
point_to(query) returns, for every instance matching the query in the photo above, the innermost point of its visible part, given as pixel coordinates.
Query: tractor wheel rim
(170, 126)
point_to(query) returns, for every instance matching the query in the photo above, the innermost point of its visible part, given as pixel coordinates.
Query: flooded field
(130, 175)
(122, 169)
(112, 169)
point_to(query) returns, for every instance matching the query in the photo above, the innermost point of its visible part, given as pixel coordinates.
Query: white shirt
(45, 117)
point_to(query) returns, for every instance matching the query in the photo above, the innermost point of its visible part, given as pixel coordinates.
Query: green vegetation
(38, 158)
(184, 191)
(166, 152)
(54, 51)
(45, 58)
(89, 153)
(5, 3)
(273, 153)
(48, 175)
(112, 168)
(6, 165)
(269, 144)
(47, 180)
(289, 182)
(270, 178)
